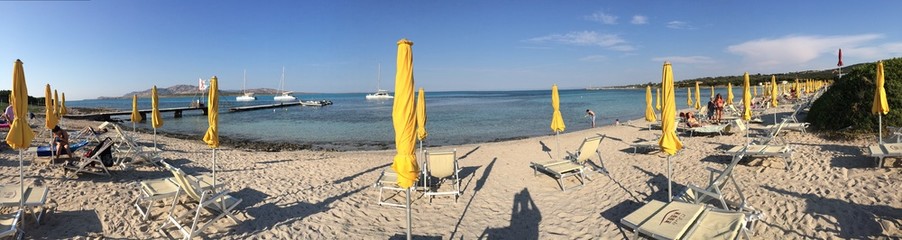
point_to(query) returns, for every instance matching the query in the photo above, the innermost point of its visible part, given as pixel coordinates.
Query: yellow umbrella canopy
(557, 121)
(773, 93)
(421, 115)
(211, 137)
(63, 110)
(880, 105)
(730, 93)
(156, 119)
(689, 97)
(49, 111)
(669, 142)
(698, 97)
(404, 119)
(136, 116)
(746, 98)
(754, 91)
(20, 134)
(658, 102)
(649, 110)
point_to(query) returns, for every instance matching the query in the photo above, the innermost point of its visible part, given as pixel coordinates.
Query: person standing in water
(591, 114)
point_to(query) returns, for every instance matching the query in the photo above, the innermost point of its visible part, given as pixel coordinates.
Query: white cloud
(593, 58)
(679, 25)
(602, 18)
(795, 50)
(685, 59)
(586, 38)
(639, 20)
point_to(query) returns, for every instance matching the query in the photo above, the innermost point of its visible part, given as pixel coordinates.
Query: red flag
(839, 64)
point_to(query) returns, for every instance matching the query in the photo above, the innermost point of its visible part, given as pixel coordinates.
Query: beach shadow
(546, 149)
(721, 146)
(467, 171)
(722, 159)
(352, 177)
(525, 219)
(468, 153)
(854, 221)
(657, 185)
(269, 215)
(619, 211)
(88, 224)
(413, 236)
(479, 184)
(249, 197)
(624, 188)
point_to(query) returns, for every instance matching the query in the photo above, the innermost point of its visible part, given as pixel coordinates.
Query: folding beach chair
(713, 192)
(35, 199)
(133, 153)
(574, 165)
(388, 180)
(155, 190)
(442, 166)
(881, 151)
(681, 220)
(95, 162)
(9, 225)
(220, 204)
(92, 134)
(766, 147)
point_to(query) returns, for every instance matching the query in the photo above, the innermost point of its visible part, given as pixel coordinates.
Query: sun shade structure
(20, 134)
(211, 137)
(649, 110)
(421, 115)
(773, 92)
(50, 120)
(880, 105)
(63, 110)
(746, 98)
(698, 97)
(155, 118)
(669, 141)
(404, 122)
(729, 93)
(658, 102)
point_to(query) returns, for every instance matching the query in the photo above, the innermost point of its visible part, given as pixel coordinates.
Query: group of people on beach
(591, 115)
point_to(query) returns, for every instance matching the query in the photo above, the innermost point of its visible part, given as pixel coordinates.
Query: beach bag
(106, 156)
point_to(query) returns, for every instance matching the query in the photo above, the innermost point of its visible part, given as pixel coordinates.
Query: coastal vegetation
(846, 107)
(754, 78)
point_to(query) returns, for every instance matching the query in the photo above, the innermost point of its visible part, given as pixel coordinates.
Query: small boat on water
(379, 94)
(246, 96)
(316, 103)
(286, 95)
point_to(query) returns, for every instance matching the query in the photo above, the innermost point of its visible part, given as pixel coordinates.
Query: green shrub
(846, 106)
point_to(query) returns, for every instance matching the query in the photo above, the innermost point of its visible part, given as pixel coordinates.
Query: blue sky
(108, 48)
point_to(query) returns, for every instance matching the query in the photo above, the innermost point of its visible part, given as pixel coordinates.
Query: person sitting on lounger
(691, 121)
(61, 139)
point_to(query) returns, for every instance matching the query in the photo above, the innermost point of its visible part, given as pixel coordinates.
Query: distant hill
(188, 90)
(754, 78)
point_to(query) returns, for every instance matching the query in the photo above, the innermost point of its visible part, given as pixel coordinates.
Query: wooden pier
(267, 106)
(177, 112)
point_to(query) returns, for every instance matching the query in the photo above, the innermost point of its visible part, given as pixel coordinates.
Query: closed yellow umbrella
(20, 134)
(773, 93)
(669, 141)
(880, 105)
(155, 119)
(63, 110)
(211, 137)
(712, 91)
(730, 93)
(50, 120)
(658, 102)
(698, 97)
(56, 106)
(557, 121)
(746, 98)
(404, 122)
(136, 115)
(649, 111)
(421, 116)
(754, 91)
(689, 97)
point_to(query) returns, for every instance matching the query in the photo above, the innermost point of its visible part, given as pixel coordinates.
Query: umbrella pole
(214, 170)
(558, 144)
(669, 182)
(879, 128)
(408, 214)
(154, 139)
(21, 182)
(423, 169)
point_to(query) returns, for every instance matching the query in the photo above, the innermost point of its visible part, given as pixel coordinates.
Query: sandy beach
(831, 191)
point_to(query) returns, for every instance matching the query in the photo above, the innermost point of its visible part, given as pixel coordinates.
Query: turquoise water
(453, 117)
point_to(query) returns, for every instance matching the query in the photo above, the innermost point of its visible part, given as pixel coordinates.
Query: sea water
(352, 122)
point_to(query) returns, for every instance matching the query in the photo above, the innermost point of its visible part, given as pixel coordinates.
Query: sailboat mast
(244, 85)
(282, 81)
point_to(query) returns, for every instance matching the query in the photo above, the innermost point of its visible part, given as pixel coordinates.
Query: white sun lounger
(35, 199)
(220, 204)
(442, 166)
(154, 190)
(710, 129)
(881, 151)
(573, 166)
(680, 220)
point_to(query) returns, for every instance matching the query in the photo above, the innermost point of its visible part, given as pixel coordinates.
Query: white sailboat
(286, 95)
(379, 94)
(247, 96)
